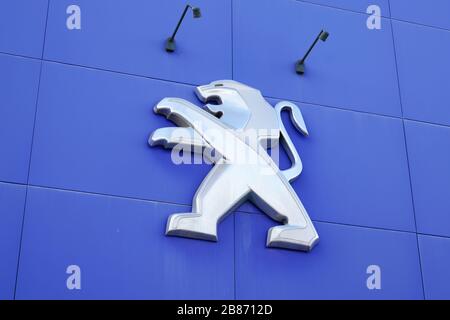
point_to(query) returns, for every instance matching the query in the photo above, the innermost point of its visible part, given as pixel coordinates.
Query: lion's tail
(299, 123)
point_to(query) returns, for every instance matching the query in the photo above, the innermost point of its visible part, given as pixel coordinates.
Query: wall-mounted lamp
(300, 65)
(170, 44)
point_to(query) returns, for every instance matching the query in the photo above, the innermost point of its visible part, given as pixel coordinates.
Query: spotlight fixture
(196, 13)
(300, 65)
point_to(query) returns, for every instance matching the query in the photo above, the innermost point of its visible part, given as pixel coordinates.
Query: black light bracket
(170, 43)
(300, 65)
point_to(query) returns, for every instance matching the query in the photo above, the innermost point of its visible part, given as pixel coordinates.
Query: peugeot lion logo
(238, 125)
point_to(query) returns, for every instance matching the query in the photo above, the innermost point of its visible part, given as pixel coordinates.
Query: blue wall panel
(432, 13)
(22, 27)
(12, 200)
(131, 38)
(360, 5)
(435, 257)
(120, 248)
(423, 72)
(335, 269)
(91, 135)
(429, 154)
(354, 69)
(19, 78)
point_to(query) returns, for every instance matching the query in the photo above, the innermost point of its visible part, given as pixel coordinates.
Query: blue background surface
(80, 186)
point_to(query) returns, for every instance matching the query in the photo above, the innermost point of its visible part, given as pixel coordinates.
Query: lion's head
(237, 104)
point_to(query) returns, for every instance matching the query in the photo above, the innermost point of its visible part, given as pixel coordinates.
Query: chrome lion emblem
(238, 125)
